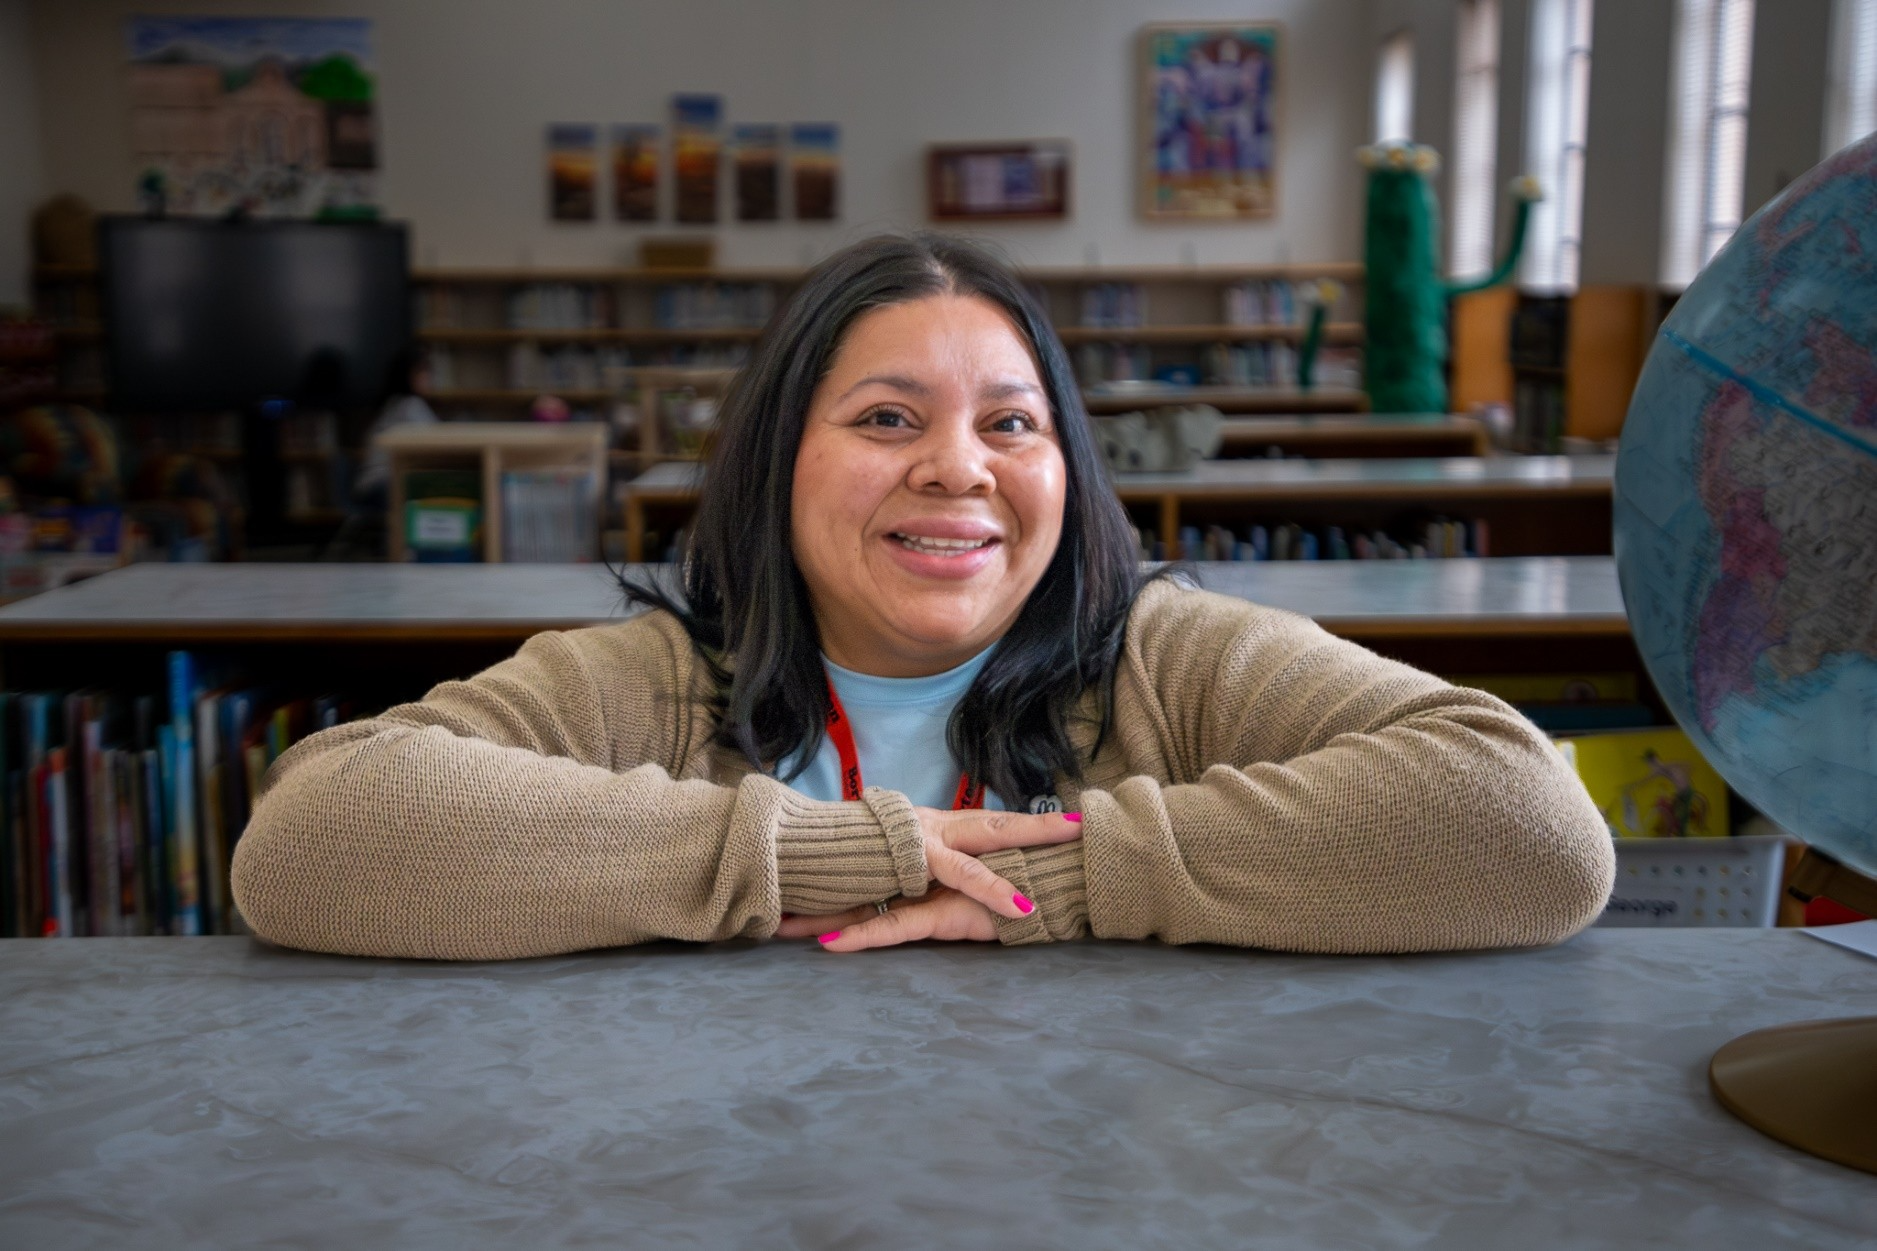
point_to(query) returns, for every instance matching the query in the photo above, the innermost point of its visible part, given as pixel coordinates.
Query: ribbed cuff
(1052, 879)
(832, 856)
(903, 838)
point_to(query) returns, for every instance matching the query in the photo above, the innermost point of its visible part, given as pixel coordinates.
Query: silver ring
(879, 906)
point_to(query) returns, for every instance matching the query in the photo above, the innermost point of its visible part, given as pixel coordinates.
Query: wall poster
(269, 116)
(815, 164)
(697, 152)
(758, 172)
(1209, 121)
(635, 173)
(572, 172)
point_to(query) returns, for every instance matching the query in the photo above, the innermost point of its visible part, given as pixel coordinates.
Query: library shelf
(1107, 400)
(1355, 434)
(1538, 505)
(1337, 333)
(492, 449)
(597, 334)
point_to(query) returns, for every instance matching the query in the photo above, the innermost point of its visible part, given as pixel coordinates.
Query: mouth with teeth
(929, 546)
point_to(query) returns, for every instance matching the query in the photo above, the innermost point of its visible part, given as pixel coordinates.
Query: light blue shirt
(899, 735)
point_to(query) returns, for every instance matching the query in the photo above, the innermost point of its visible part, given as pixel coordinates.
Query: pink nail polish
(829, 937)
(1071, 816)
(1023, 905)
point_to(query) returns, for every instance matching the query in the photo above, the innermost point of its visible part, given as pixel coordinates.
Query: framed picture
(1020, 180)
(1209, 121)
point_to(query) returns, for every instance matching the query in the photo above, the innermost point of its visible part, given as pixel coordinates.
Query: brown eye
(1013, 423)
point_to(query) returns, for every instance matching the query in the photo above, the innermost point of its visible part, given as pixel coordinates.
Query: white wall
(467, 87)
(20, 171)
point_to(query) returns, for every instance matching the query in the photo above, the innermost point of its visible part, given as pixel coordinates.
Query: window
(1557, 111)
(1475, 135)
(1708, 133)
(1394, 90)
(1851, 107)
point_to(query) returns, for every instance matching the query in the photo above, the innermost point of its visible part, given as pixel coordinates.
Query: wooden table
(1538, 505)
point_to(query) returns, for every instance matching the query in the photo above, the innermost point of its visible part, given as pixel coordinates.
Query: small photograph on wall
(269, 116)
(635, 173)
(1017, 180)
(697, 152)
(758, 172)
(815, 163)
(1209, 121)
(571, 172)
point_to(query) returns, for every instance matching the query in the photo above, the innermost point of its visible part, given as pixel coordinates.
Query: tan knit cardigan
(1265, 785)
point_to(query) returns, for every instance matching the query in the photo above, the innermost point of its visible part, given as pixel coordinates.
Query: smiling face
(928, 487)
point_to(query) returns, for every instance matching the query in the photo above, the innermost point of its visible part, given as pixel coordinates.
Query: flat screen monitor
(219, 315)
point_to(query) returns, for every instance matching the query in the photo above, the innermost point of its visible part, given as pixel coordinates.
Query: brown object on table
(677, 253)
(1811, 1085)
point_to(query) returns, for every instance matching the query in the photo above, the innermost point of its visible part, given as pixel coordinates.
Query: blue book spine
(185, 862)
(1260, 543)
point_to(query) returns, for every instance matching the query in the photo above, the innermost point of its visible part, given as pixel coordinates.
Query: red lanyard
(968, 796)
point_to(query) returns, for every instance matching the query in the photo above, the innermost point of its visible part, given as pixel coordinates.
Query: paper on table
(1858, 936)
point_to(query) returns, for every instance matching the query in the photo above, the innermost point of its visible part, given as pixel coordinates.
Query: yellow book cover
(1650, 783)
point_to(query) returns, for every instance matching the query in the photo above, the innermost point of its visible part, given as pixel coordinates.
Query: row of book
(1437, 538)
(122, 810)
(575, 368)
(1114, 304)
(559, 306)
(713, 305)
(1260, 303)
(548, 516)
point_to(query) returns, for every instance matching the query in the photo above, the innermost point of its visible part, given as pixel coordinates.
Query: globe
(1746, 509)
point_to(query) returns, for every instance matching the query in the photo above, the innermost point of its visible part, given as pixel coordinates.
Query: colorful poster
(635, 173)
(269, 116)
(815, 163)
(571, 172)
(697, 151)
(758, 172)
(1209, 96)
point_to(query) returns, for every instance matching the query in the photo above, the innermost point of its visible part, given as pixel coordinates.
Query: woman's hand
(942, 913)
(953, 841)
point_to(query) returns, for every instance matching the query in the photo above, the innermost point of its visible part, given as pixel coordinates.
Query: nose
(951, 459)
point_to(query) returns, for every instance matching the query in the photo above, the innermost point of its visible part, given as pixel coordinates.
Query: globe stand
(1813, 1084)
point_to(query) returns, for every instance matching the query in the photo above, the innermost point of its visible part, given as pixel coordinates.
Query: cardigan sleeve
(535, 808)
(1308, 795)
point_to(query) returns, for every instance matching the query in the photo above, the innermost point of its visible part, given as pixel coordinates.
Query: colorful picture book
(1650, 783)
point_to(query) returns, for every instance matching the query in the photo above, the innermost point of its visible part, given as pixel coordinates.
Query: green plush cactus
(1406, 297)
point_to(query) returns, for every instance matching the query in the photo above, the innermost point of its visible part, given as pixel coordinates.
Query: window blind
(1475, 138)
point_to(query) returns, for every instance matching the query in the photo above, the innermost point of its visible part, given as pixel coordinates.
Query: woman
(909, 591)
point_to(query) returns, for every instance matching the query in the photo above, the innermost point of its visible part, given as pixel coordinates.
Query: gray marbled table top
(216, 1092)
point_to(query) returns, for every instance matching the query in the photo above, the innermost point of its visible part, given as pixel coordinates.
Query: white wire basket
(1676, 882)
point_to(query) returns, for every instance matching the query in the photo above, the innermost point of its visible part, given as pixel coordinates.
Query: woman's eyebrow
(899, 382)
(1004, 390)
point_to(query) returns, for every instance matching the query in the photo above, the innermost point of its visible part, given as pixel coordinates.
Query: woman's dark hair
(745, 604)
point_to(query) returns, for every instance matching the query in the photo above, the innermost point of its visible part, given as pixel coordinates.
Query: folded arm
(533, 809)
(1321, 799)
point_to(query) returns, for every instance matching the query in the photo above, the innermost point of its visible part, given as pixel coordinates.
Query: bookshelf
(1340, 435)
(497, 452)
(1538, 505)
